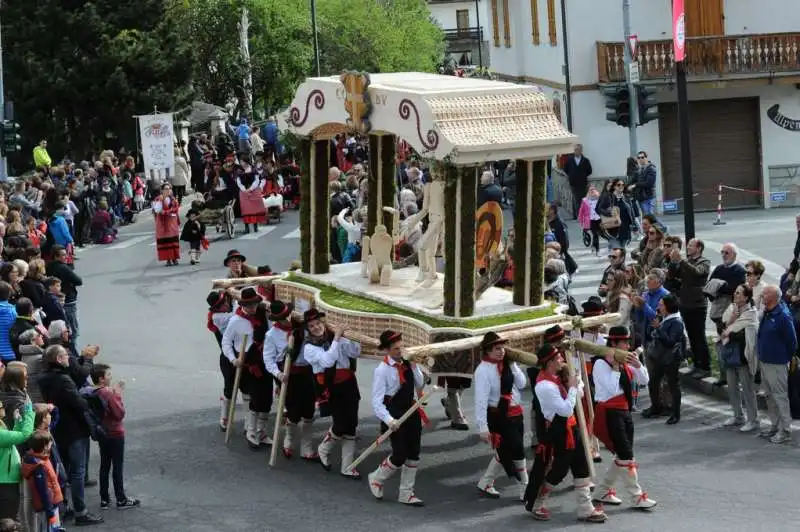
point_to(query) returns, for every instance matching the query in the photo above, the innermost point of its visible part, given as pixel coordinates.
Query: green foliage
(78, 71)
(389, 36)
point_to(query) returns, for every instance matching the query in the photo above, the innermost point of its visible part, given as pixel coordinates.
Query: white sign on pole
(633, 41)
(156, 132)
(633, 72)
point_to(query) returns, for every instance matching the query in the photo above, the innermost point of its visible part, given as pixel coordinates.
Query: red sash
(571, 421)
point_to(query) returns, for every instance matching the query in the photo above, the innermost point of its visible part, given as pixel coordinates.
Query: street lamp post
(316, 36)
(480, 34)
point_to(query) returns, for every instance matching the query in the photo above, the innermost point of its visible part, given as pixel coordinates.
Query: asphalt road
(150, 322)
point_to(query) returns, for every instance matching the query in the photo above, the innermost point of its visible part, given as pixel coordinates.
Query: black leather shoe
(88, 519)
(650, 413)
(673, 420)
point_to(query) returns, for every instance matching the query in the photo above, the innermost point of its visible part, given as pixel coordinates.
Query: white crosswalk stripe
(293, 234)
(264, 231)
(590, 270)
(123, 244)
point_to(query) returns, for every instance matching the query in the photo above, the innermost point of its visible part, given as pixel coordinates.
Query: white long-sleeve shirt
(385, 382)
(353, 229)
(275, 343)
(551, 402)
(338, 354)
(234, 335)
(487, 390)
(254, 186)
(221, 320)
(606, 380)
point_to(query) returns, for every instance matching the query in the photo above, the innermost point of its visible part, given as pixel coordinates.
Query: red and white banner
(678, 30)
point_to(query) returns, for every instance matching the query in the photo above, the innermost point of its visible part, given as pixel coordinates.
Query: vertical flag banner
(678, 30)
(156, 132)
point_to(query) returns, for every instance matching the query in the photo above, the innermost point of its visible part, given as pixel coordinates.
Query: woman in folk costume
(251, 201)
(168, 226)
(298, 376)
(333, 360)
(219, 314)
(613, 423)
(560, 449)
(261, 383)
(499, 415)
(242, 323)
(394, 388)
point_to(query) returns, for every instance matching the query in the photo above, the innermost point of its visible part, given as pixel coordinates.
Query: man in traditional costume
(261, 382)
(283, 358)
(237, 265)
(394, 388)
(168, 226)
(219, 314)
(560, 449)
(242, 323)
(333, 359)
(499, 415)
(613, 423)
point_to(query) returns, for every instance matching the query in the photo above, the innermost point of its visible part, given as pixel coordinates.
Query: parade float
(455, 125)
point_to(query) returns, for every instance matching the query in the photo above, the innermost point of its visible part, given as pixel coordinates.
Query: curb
(708, 386)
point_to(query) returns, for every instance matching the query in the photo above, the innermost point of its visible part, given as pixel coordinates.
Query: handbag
(613, 221)
(730, 354)
(662, 355)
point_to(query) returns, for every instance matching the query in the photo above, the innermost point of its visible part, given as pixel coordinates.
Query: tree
(78, 71)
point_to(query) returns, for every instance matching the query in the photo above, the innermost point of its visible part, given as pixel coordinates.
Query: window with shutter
(506, 25)
(495, 24)
(535, 22)
(551, 22)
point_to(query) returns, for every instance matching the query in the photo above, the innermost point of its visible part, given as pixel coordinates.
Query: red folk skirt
(251, 203)
(167, 232)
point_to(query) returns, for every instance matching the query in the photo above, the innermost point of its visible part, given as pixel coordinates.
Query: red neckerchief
(210, 323)
(544, 376)
(401, 373)
(282, 326)
(252, 319)
(498, 363)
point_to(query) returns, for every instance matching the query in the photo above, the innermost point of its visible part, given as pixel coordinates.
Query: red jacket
(115, 412)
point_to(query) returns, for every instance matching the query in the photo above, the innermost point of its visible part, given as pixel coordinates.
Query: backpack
(95, 413)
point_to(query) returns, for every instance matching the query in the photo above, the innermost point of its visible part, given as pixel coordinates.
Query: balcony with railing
(464, 34)
(707, 58)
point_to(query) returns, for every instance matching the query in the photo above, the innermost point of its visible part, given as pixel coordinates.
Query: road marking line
(261, 232)
(130, 242)
(293, 234)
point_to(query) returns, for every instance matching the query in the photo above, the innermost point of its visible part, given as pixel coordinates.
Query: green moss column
(529, 229)
(306, 165)
(315, 217)
(459, 274)
(382, 186)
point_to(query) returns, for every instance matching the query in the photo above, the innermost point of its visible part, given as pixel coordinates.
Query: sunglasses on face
(749, 273)
(641, 157)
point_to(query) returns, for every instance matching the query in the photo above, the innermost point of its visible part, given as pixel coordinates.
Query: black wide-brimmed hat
(546, 353)
(312, 315)
(554, 334)
(593, 307)
(389, 338)
(491, 339)
(249, 297)
(619, 332)
(233, 254)
(215, 300)
(278, 310)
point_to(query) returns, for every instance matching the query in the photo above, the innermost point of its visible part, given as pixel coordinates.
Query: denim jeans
(71, 313)
(646, 206)
(76, 469)
(112, 453)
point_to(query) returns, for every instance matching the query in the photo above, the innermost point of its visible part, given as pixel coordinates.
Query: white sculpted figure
(376, 262)
(433, 208)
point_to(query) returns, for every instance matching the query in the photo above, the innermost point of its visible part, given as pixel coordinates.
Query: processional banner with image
(156, 132)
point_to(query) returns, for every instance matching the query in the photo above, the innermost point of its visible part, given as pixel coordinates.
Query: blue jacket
(649, 310)
(777, 339)
(8, 315)
(58, 227)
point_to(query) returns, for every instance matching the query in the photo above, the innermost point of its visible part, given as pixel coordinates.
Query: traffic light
(618, 101)
(648, 105)
(11, 137)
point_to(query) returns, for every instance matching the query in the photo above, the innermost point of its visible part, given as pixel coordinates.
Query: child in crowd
(38, 471)
(112, 447)
(52, 306)
(194, 232)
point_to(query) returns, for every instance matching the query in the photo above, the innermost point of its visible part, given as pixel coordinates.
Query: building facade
(743, 68)
(464, 23)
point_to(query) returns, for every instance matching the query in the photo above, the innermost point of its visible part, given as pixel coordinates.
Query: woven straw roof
(497, 118)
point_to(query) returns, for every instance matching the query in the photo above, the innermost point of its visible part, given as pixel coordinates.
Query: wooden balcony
(706, 57)
(464, 34)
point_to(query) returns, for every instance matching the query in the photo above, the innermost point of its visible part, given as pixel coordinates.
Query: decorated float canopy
(463, 120)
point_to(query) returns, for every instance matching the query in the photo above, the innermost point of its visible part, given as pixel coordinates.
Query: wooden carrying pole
(385, 436)
(420, 353)
(520, 356)
(245, 281)
(279, 413)
(592, 348)
(235, 395)
(582, 422)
